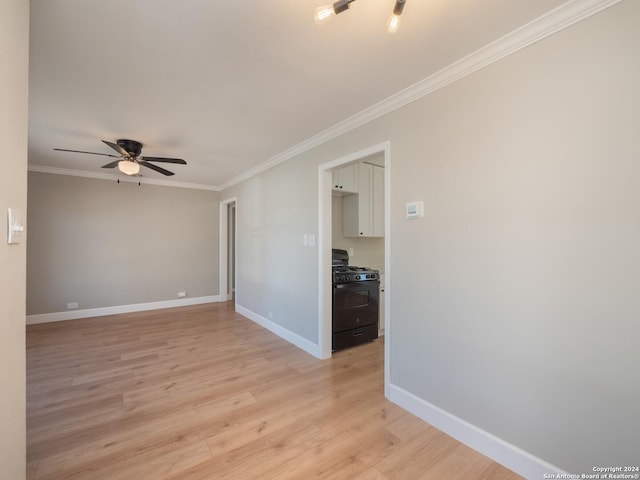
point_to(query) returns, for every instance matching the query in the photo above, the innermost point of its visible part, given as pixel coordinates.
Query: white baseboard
(102, 311)
(300, 342)
(512, 457)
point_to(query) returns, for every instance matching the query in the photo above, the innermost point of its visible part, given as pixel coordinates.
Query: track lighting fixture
(325, 12)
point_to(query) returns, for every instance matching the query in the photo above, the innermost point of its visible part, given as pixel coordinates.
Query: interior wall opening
(228, 250)
(362, 246)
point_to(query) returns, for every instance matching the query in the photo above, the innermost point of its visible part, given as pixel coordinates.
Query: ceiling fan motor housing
(131, 146)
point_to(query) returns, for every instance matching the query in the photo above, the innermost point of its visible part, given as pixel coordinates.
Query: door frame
(324, 249)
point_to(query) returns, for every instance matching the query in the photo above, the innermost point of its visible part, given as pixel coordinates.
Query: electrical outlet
(182, 294)
(72, 305)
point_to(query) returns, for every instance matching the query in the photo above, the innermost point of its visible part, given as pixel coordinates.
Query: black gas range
(356, 292)
(354, 274)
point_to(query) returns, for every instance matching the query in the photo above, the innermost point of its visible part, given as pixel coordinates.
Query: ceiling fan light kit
(128, 167)
(324, 12)
(130, 158)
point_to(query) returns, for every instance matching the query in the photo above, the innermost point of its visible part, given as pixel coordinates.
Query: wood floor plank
(371, 474)
(202, 393)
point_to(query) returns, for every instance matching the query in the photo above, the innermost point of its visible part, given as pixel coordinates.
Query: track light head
(324, 12)
(398, 7)
(394, 20)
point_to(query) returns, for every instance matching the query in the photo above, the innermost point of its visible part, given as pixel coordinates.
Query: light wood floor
(201, 392)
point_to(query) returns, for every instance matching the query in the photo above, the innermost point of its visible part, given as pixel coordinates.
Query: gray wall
(104, 244)
(14, 51)
(522, 306)
(515, 302)
(275, 272)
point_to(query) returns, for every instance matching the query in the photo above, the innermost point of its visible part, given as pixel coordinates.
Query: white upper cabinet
(363, 213)
(346, 179)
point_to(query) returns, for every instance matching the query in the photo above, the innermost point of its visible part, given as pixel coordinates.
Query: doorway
(325, 244)
(228, 242)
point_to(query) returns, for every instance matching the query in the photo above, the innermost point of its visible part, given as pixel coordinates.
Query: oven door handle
(342, 285)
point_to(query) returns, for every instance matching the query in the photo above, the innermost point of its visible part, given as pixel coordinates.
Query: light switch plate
(14, 229)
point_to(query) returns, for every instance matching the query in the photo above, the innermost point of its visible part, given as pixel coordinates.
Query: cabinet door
(356, 209)
(363, 213)
(378, 201)
(346, 179)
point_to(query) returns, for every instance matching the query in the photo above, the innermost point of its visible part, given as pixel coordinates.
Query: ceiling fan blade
(112, 164)
(117, 148)
(81, 151)
(165, 160)
(155, 167)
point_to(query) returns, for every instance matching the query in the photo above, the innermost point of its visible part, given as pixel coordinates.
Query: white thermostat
(415, 209)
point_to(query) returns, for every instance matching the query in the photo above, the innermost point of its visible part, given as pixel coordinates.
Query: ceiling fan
(130, 159)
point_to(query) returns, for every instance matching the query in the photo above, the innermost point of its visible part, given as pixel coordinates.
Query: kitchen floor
(200, 392)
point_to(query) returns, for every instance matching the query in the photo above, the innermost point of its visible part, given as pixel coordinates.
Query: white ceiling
(228, 85)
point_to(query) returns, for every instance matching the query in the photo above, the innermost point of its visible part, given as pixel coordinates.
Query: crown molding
(110, 176)
(538, 29)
